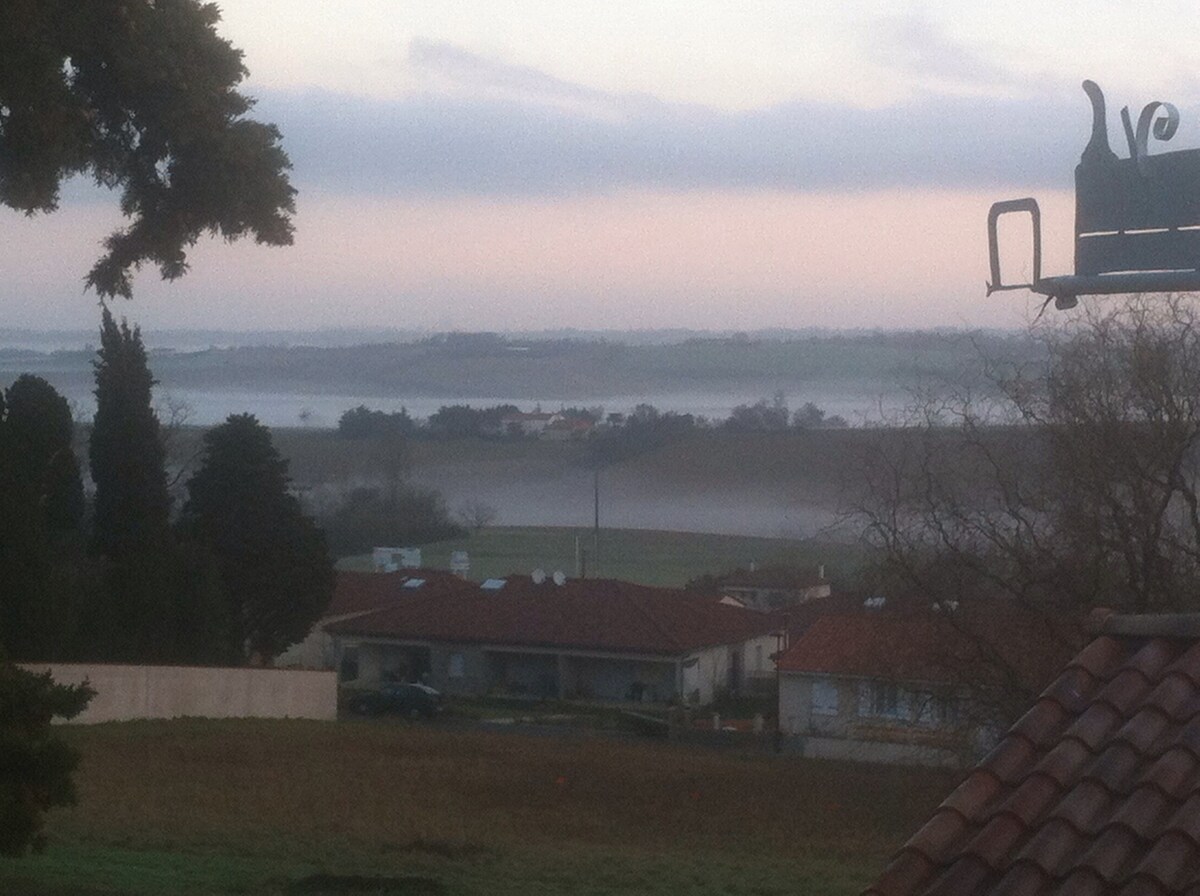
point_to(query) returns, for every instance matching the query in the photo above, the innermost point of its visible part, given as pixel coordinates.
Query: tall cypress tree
(128, 460)
(161, 601)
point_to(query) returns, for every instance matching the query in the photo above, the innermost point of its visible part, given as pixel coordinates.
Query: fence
(166, 692)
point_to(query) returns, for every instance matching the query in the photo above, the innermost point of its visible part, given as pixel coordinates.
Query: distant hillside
(484, 365)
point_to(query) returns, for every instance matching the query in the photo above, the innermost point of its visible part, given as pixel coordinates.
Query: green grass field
(208, 807)
(634, 555)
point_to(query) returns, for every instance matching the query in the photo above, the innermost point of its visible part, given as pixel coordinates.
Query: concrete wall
(166, 692)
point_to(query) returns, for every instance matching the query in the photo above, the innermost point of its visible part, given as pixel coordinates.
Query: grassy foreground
(634, 555)
(222, 807)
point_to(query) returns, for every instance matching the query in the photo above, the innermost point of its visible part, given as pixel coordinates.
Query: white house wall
(854, 732)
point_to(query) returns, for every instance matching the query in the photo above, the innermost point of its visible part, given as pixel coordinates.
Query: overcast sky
(549, 163)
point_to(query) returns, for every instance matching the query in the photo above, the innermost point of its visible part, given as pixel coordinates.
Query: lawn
(634, 555)
(248, 806)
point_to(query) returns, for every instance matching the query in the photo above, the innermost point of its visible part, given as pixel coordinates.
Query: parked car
(409, 699)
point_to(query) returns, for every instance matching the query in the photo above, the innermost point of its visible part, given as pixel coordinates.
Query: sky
(540, 164)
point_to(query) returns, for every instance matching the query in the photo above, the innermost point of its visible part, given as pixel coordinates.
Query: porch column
(562, 676)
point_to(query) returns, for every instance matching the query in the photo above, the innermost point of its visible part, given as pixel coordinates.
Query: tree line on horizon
(460, 421)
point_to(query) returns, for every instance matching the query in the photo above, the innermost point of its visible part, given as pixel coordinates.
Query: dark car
(409, 699)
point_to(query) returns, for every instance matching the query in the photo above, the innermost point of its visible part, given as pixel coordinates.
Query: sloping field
(635, 555)
(290, 807)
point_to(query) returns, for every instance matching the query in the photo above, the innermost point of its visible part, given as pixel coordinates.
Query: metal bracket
(1001, 208)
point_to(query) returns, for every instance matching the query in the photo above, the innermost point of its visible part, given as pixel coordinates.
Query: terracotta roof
(927, 646)
(361, 592)
(1095, 790)
(584, 614)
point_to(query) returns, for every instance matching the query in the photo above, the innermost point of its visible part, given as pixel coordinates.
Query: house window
(758, 658)
(881, 699)
(824, 697)
(457, 667)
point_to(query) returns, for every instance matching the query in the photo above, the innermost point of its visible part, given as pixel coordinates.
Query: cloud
(916, 46)
(432, 144)
(443, 68)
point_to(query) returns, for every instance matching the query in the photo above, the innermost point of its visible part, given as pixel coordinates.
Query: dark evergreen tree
(41, 505)
(132, 505)
(274, 564)
(35, 766)
(160, 600)
(42, 434)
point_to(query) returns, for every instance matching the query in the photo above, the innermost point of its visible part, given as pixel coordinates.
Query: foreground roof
(1096, 790)
(591, 614)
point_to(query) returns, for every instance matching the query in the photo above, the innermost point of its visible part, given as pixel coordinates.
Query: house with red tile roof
(571, 638)
(906, 686)
(773, 588)
(359, 593)
(1095, 790)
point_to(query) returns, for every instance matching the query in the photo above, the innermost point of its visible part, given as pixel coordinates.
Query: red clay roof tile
(1023, 879)
(1171, 772)
(940, 834)
(1188, 664)
(1114, 768)
(1173, 695)
(1043, 723)
(1144, 811)
(1011, 759)
(1095, 725)
(1083, 882)
(908, 871)
(1053, 848)
(1111, 852)
(1096, 790)
(973, 795)
(1151, 658)
(1072, 690)
(1084, 806)
(1188, 736)
(967, 875)
(1147, 728)
(1171, 855)
(1125, 690)
(1186, 820)
(1031, 799)
(997, 838)
(1101, 656)
(1066, 761)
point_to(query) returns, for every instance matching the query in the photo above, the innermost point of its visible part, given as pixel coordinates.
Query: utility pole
(596, 518)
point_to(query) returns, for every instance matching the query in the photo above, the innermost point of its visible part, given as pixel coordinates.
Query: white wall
(166, 692)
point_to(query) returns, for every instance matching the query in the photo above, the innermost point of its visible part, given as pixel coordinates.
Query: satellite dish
(560, 578)
(539, 576)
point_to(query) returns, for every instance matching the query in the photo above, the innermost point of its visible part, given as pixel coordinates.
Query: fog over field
(305, 382)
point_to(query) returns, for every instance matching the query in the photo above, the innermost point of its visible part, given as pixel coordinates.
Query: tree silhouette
(275, 568)
(132, 505)
(142, 96)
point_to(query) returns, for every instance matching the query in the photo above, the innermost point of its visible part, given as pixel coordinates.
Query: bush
(35, 767)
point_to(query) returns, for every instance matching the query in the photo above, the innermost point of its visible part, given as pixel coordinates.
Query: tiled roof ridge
(1176, 626)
